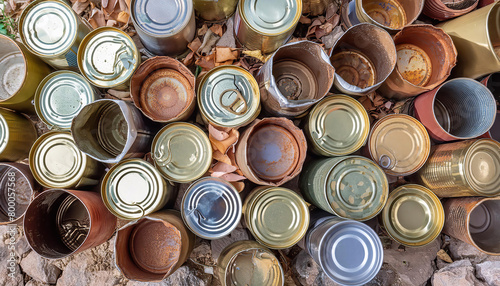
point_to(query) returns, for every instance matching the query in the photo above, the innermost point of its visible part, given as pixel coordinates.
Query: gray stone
(33, 282)
(458, 273)
(460, 250)
(10, 273)
(22, 247)
(228, 39)
(306, 270)
(489, 271)
(184, 276)
(217, 245)
(386, 276)
(39, 268)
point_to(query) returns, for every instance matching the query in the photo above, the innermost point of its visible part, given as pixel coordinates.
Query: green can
(17, 134)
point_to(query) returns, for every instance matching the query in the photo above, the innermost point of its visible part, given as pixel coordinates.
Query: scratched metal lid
(107, 57)
(211, 208)
(355, 68)
(413, 216)
(270, 17)
(338, 125)
(182, 152)
(400, 144)
(229, 96)
(482, 166)
(388, 13)
(60, 96)
(161, 17)
(413, 64)
(356, 188)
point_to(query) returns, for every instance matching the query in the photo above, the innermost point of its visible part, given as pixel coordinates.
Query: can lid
(60, 96)
(388, 13)
(48, 27)
(482, 166)
(414, 64)
(270, 17)
(400, 144)
(339, 125)
(413, 215)
(229, 96)
(355, 68)
(356, 188)
(4, 133)
(182, 152)
(160, 17)
(211, 208)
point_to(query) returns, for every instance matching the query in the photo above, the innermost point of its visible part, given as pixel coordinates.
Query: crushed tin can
(294, 78)
(163, 89)
(153, 247)
(363, 57)
(315, 7)
(60, 96)
(413, 215)
(337, 126)
(351, 187)
(464, 168)
(443, 10)
(110, 130)
(59, 223)
(108, 57)
(228, 96)
(249, 263)
(17, 134)
(264, 25)
(271, 151)
(210, 10)
(277, 217)
(181, 152)
(53, 31)
(165, 28)
(211, 208)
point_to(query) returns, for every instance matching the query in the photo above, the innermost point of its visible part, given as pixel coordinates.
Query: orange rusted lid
(413, 64)
(355, 68)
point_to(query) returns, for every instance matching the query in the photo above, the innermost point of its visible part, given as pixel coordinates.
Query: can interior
(254, 267)
(16, 193)
(394, 14)
(494, 29)
(12, 68)
(484, 225)
(458, 4)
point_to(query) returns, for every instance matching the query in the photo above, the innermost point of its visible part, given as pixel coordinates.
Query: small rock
(40, 269)
(33, 282)
(184, 276)
(305, 268)
(460, 250)
(459, 273)
(489, 271)
(10, 273)
(217, 245)
(386, 276)
(202, 254)
(22, 247)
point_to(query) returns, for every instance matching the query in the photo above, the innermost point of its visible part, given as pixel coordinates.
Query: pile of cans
(444, 143)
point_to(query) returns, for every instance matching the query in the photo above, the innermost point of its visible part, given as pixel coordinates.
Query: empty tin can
(111, 130)
(181, 152)
(60, 96)
(210, 10)
(107, 57)
(296, 76)
(350, 187)
(391, 15)
(338, 125)
(228, 96)
(17, 134)
(266, 25)
(315, 7)
(211, 208)
(164, 27)
(413, 215)
(363, 57)
(153, 247)
(465, 168)
(53, 31)
(60, 222)
(163, 89)
(443, 10)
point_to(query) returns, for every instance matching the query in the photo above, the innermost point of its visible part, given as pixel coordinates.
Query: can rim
(32, 187)
(408, 21)
(467, 172)
(25, 62)
(4, 132)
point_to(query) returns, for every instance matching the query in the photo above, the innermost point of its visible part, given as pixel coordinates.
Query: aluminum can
(315, 7)
(53, 31)
(16, 91)
(392, 15)
(294, 78)
(59, 223)
(228, 96)
(444, 10)
(350, 187)
(108, 57)
(210, 10)
(181, 152)
(165, 28)
(238, 258)
(465, 168)
(211, 208)
(141, 251)
(266, 25)
(17, 134)
(337, 126)
(164, 90)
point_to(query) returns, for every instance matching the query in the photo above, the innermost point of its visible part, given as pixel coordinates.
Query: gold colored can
(17, 134)
(391, 15)
(210, 10)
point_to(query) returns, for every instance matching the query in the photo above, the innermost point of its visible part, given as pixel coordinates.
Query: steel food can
(181, 152)
(443, 10)
(228, 96)
(465, 168)
(53, 31)
(163, 89)
(108, 57)
(337, 126)
(210, 10)
(238, 258)
(211, 208)
(165, 28)
(59, 223)
(315, 7)
(392, 15)
(153, 247)
(17, 134)
(266, 25)
(296, 76)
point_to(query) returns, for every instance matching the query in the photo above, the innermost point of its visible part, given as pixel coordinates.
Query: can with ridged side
(210, 10)
(17, 134)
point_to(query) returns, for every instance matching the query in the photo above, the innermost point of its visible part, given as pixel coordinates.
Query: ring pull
(159, 155)
(139, 206)
(239, 101)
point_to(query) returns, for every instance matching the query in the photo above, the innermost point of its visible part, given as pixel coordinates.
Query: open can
(392, 15)
(315, 7)
(17, 135)
(443, 10)
(210, 10)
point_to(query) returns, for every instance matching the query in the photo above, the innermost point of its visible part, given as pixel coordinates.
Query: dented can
(443, 10)
(17, 134)
(392, 15)
(210, 10)
(315, 7)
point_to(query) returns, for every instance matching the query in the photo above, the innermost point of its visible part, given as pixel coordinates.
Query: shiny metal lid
(270, 17)
(388, 13)
(182, 152)
(161, 17)
(482, 166)
(229, 96)
(413, 64)
(211, 208)
(4, 133)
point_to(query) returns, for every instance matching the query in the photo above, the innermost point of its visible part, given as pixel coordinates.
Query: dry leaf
(202, 30)
(195, 45)
(217, 134)
(224, 145)
(232, 177)
(222, 168)
(305, 20)
(240, 186)
(441, 254)
(224, 54)
(207, 62)
(217, 155)
(255, 54)
(123, 17)
(208, 43)
(217, 29)
(96, 19)
(119, 94)
(189, 59)
(112, 23)
(79, 7)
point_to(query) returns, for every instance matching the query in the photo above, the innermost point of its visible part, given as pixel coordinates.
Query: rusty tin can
(17, 134)
(315, 7)
(153, 247)
(392, 15)
(465, 168)
(163, 89)
(296, 76)
(443, 10)
(59, 223)
(266, 25)
(165, 28)
(210, 10)
(53, 31)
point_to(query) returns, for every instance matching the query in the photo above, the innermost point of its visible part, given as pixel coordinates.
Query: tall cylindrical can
(445, 10)
(17, 134)
(392, 15)
(210, 10)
